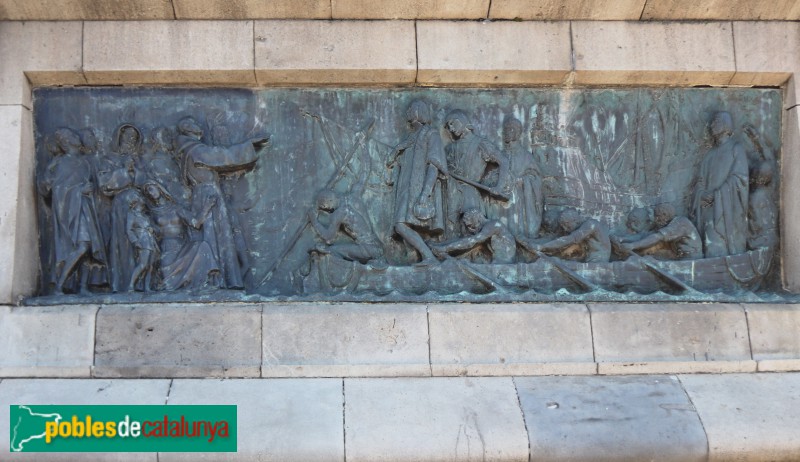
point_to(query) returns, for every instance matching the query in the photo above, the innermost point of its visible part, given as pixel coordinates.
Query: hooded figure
(117, 177)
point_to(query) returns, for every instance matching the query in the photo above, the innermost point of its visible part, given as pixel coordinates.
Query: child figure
(142, 236)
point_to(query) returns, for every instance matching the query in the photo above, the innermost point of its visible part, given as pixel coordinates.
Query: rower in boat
(639, 225)
(678, 234)
(587, 233)
(482, 231)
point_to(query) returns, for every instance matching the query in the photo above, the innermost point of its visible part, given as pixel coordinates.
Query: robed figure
(76, 231)
(118, 175)
(526, 206)
(418, 202)
(202, 165)
(720, 203)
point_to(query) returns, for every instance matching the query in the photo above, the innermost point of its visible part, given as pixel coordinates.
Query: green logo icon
(124, 428)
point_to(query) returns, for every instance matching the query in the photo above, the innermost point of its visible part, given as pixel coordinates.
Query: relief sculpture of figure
(142, 236)
(161, 164)
(762, 215)
(202, 165)
(638, 224)
(587, 233)
(418, 202)
(186, 261)
(482, 231)
(117, 177)
(471, 159)
(678, 234)
(526, 206)
(347, 214)
(76, 232)
(720, 203)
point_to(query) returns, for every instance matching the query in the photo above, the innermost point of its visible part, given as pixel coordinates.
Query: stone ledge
(381, 340)
(688, 417)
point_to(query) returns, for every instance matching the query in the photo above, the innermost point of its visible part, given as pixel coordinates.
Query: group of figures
(151, 213)
(148, 214)
(484, 205)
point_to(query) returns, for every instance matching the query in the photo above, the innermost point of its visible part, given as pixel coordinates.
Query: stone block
(778, 365)
(338, 52)
(493, 53)
(44, 52)
(749, 417)
(632, 336)
(18, 229)
(633, 53)
(278, 420)
(169, 52)
(510, 339)
(345, 340)
(767, 53)
(92, 10)
(715, 10)
(774, 331)
(178, 341)
(252, 9)
(410, 9)
(676, 367)
(405, 419)
(47, 341)
(77, 392)
(560, 10)
(610, 418)
(790, 206)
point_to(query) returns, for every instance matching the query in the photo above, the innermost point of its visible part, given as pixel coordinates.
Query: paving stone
(252, 9)
(492, 53)
(48, 52)
(774, 331)
(19, 246)
(416, 419)
(169, 52)
(47, 341)
(410, 9)
(633, 53)
(559, 10)
(610, 418)
(645, 338)
(505, 339)
(758, 60)
(178, 341)
(748, 417)
(345, 340)
(277, 419)
(62, 10)
(710, 10)
(77, 392)
(335, 52)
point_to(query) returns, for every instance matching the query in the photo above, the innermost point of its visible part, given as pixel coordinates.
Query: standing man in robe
(526, 206)
(721, 197)
(76, 232)
(418, 200)
(472, 157)
(202, 165)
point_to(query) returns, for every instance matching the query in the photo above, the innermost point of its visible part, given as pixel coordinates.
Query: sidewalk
(752, 416)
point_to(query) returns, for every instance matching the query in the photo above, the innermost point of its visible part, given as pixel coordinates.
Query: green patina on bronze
(419, 194)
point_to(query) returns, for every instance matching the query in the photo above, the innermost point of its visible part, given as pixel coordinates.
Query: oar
(571, 275)
(663, 275)
(471, 271)
(478, 185)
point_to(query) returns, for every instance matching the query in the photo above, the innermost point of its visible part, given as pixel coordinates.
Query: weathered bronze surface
(388, 194)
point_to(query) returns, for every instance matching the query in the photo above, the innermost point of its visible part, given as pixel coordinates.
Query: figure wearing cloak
(76, 231)
(720, 203)
(202, 165)
(526, 206)
(474, 158)
(117, 177)
(418, 193)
